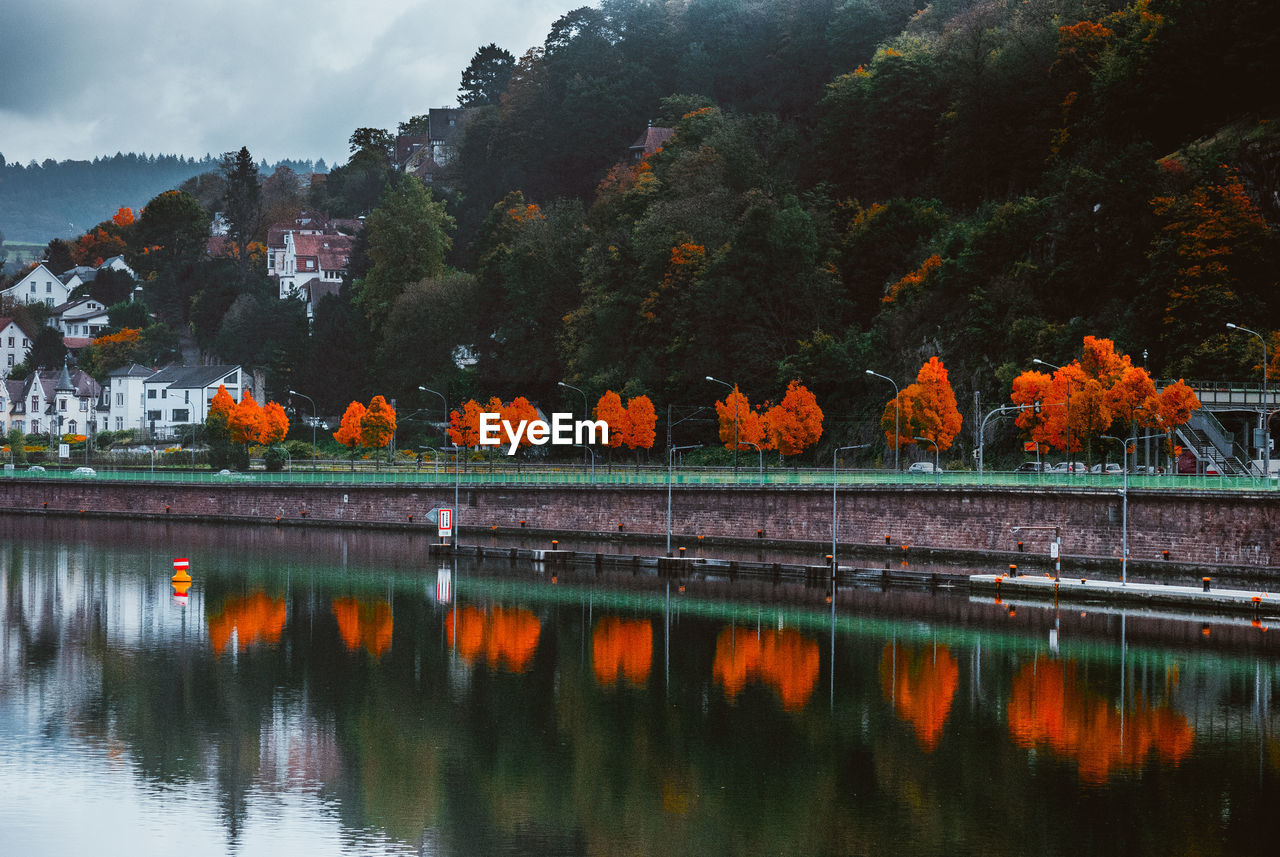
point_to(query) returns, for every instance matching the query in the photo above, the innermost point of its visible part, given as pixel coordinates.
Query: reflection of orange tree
(367, 625)
(255, 618)
(622, 649)
(785, 660)
(1049, 705)
(503, 636)
(921, 685)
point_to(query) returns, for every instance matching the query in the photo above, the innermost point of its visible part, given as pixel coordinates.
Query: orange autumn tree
(795, 424)
(928, 409)
(245, 422)
(1172, 407)
(275, 424)
(377, 424)
(464, 427)
(113, 351)
(348, 434)
(1212, 244)
(735, 408)
(217, 427)
(516, 411)
(1100, 393)
(642, 422)
(610, 409)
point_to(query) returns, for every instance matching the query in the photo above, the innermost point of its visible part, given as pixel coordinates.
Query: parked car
(1109, 469)
(85, 472)
(1069, 467)
(35, 468)
(1031, 467)
(923, 467)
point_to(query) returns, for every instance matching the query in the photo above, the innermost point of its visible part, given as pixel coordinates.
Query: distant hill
(39, 202)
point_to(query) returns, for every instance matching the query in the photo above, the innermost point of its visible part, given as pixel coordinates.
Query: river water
(320, 692)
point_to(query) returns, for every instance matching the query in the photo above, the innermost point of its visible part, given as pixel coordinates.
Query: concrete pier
(1076, 590)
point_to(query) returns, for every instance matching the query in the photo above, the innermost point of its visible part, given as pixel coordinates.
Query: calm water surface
(327, 693)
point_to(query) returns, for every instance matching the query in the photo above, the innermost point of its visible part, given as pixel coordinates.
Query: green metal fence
(482, 474)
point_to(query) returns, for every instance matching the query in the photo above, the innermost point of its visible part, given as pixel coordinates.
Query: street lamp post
(897, 407)
(1264, 412)
(1124, 506)
(586, 416)
(671, 454)
(733, 388)
(1124, 514)
(937, 461)
(834, 453)
(314, 418)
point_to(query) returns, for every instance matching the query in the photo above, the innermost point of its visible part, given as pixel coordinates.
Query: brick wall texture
(1230, 528)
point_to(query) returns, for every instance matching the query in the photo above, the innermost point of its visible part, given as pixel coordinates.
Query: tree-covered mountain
(62, 199)
(849, 185)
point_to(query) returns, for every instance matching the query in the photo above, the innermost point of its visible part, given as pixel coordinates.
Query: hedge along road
(536, 474)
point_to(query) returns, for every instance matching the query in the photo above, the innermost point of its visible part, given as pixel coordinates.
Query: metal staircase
(1210, 442)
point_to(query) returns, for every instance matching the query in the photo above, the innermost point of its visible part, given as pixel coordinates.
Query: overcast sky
(287, 78)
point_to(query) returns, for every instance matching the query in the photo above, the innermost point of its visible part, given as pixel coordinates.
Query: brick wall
(1231, 528)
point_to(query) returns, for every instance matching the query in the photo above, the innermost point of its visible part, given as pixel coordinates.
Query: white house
(314, 266)
(161, 400)
(84, 318)
(48, 401)
(15, 345)
(40, 285)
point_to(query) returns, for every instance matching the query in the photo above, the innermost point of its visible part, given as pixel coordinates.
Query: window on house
(10, 341)
(164, 394)
(186, 396)
(120, 399)
(10, 359)
(35, 403)
(62, 404)
(84, 404)
(35, 427)
(48, 288)
(153, 416)
(119, 423)
(26, 343)
(151, 394)
(48, 301)
(33, 288)
(71, 427)
(181, 415)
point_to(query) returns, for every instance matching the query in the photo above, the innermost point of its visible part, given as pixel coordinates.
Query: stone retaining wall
(1222, 528)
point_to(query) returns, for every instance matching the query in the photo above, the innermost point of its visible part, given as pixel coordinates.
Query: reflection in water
(362, 624)
(1050, 705)
(112, 696)
(256, 618)
(921, 684)
(622, 649)
(504, 636)
(785, 660)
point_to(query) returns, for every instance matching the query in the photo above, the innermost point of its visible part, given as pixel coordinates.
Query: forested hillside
(851, 185)
(865, 184)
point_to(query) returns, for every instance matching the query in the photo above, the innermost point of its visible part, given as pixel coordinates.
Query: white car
(1069, 467)
(1111, 469)
(84, 471)
(923, 467)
